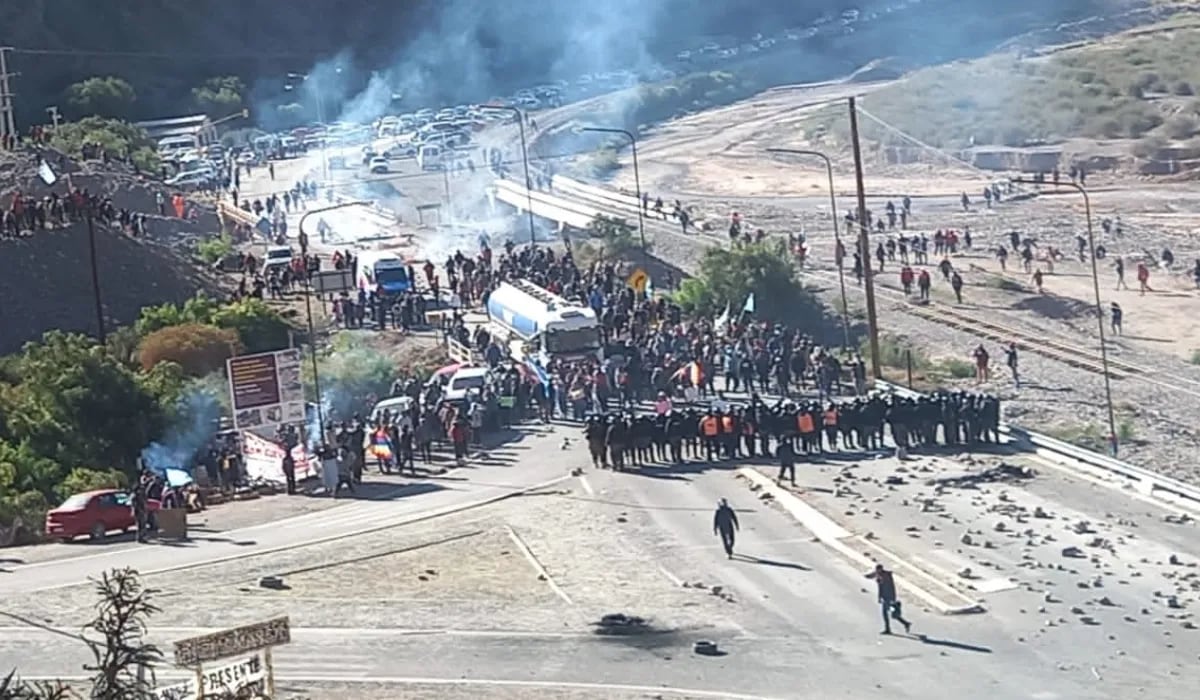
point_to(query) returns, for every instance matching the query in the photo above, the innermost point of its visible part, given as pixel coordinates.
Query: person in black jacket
(725, 523)
(888, 601)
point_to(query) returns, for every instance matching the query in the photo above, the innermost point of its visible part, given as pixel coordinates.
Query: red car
(94, 513)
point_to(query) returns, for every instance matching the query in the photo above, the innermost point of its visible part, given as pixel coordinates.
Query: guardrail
(1145, 480)
(461, 353)
(544, 205)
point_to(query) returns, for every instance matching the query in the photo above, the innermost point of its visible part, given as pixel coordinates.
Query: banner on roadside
(230, 678)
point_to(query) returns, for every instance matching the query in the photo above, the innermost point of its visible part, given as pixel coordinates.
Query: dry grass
(1133, 85)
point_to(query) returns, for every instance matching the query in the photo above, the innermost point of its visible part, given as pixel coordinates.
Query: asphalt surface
(385, 506)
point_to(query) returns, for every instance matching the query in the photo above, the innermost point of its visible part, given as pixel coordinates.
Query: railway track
(577, 197)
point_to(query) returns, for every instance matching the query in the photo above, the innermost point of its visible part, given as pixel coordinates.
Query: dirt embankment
(46, 280)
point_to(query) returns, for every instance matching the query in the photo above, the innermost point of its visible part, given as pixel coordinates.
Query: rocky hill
(47, 282)
(431, 49)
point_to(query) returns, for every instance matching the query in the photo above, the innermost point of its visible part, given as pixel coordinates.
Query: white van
(431, 157)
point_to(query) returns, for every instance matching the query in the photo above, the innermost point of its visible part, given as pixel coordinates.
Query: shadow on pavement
(379, 491)
(769, 562)
(947, 643)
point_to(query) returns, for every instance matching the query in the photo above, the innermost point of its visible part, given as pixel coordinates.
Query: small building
(195, 131)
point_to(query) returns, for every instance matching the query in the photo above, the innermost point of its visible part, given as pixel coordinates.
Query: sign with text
(229, 679)
(239, 640)
(332, 281)
(266, 389)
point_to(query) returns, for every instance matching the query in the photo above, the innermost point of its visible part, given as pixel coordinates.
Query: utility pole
(8, 125)
(91, 227)
(864, 244)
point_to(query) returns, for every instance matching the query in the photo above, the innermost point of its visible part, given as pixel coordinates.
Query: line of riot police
(621, 440)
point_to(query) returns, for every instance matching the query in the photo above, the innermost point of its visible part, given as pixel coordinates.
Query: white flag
(47, 174)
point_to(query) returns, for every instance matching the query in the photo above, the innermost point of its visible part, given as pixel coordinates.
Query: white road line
(559, 685)
(399, 522)
(537, 565)
(305, 632)
(586, 485)
(675, 580)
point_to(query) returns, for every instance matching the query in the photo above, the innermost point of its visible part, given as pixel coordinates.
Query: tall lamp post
(837, 236)
(312, 334)
(524, 160)
(303, 77)
(1087, 209)
(637, 179)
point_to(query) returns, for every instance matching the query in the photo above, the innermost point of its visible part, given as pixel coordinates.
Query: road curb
(416, 518)
(833, 536)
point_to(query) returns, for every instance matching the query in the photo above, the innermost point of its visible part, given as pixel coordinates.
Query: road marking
(416, 518)
(587, 486)
(303, 632)
(537, 565)
(826, 530)
(678, 582)
(550, 685)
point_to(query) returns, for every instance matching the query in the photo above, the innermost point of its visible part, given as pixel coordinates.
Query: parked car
(94, 513)
(379, 165)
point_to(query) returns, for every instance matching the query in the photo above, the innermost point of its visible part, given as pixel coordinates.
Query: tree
(106, 96)
(116, 137)
(260, 327)
(198, 309)
(730, 276)
(196, 348)
(618, 237)
(124, 660)
(222, 94)
(78, 405)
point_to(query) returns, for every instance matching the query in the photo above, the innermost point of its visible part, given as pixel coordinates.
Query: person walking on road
(787, 462)
(889, 604)
(1010, 358)
(725, 523)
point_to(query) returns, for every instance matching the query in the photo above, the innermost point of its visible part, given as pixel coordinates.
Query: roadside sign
(239, 640)
(266, 389)
(229, 679)
(639, 279)
(332, 281)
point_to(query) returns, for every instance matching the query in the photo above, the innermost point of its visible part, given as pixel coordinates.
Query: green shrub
(82, 479)
(215, 249)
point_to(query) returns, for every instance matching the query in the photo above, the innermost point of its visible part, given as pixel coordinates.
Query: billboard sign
(232, 642)
(266, 389)
(228, 679)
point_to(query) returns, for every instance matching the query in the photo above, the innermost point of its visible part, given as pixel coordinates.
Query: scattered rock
(966, 573)
(1073, 552)
(1082, 527)
(1000, 526)
(1076, 610)
(1106, 601)
(967, 539)
(1173, 560)
(1089, 620)
(1039, 513)
(621, 519)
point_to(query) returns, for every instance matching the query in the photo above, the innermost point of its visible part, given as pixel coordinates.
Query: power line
(177, 55)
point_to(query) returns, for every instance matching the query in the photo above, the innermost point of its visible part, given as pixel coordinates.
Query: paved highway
(421, 498)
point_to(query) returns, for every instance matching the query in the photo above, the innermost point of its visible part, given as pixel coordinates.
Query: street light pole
(637, 181)
(312, 334)
(525, 161)
(837, 236)
(303, 77)
(1087, 209)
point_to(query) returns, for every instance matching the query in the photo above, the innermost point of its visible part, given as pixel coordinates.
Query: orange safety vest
(831, 418)
(805, 422)
(708, 426)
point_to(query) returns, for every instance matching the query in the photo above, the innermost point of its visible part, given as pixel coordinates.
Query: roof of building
(175, 122)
